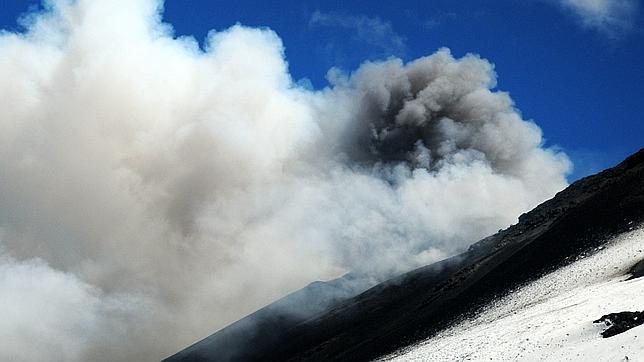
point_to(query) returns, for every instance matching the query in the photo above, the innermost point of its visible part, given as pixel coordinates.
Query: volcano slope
(414, 306)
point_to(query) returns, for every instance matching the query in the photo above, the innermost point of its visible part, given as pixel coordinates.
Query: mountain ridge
(418, 304)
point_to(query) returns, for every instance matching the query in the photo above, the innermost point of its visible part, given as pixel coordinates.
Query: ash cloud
(152, 192)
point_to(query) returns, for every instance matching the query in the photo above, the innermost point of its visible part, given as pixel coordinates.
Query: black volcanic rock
(620, 322)
(420, 303)
(637, 271)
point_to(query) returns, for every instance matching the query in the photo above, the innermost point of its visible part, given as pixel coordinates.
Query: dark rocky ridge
(420, 303)
(240, 340)
(637, 271)
(620, 322)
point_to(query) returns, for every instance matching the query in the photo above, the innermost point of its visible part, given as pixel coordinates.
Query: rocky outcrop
(620, 322)
(637, 271)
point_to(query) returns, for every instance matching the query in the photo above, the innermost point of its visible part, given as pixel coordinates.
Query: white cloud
(373, 31)
(612, 17)
(151, 192)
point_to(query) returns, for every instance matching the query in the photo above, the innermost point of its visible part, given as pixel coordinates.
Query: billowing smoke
(152, 192)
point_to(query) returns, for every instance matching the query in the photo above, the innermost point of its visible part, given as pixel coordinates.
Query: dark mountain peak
(633, 160)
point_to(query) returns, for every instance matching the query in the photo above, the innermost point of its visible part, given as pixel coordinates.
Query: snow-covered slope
(552, 317)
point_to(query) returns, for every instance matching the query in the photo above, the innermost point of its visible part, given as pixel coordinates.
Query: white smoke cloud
(152, 192)
(611, 17)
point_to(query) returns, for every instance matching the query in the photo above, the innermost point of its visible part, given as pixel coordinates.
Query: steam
(152, 192)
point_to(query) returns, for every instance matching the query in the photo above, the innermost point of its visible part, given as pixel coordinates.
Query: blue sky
(575, 69)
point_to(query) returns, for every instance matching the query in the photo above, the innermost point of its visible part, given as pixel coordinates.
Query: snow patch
(551, 318)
